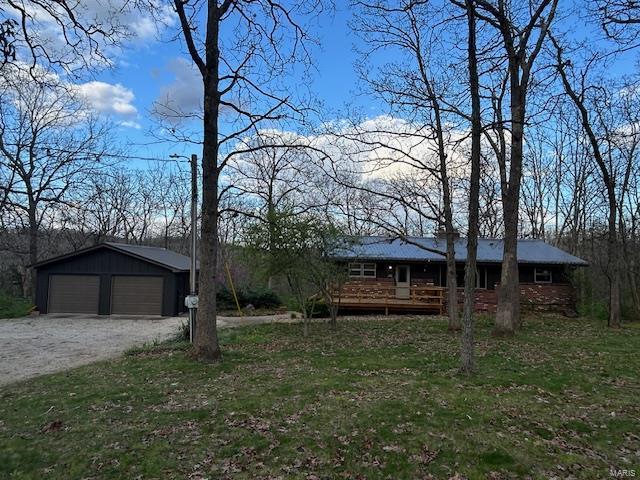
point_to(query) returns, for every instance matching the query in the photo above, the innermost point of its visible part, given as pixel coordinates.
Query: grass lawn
(377, 399)
(13, 307)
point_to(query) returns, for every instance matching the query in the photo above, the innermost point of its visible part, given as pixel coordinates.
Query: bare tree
(537, 185)
(619, 20)
(597, 105)
(170, 186)
(96, 215)
(71, 36)
(522, 27)
(240, 81)
(276, 177)
(490, 216)
(395, 169)
(46, 135)
(418, 86)
(467, 343)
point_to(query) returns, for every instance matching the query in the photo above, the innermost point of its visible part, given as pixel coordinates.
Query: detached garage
(114, 278)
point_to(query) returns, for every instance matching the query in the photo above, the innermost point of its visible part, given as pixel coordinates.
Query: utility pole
(193, 304)
(191, 301)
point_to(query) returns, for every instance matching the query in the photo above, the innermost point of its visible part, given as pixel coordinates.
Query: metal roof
(434, 249)
(162, 257)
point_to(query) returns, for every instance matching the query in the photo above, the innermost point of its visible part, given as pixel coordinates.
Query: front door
(403, 282)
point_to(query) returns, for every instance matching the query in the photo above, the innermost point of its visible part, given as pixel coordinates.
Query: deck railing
(379, 296)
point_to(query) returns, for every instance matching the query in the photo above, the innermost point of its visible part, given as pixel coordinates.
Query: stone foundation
(533, 297)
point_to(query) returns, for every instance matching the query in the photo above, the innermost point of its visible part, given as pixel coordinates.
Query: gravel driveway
(33, 346)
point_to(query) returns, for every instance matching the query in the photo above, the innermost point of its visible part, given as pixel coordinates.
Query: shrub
(321, 310)
(13, 307)
(258, 297)
(595, 309)
(224, 298)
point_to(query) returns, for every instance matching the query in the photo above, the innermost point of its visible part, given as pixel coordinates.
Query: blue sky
(147, 70)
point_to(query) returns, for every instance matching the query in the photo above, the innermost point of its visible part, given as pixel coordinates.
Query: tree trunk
(334, 307)
(205, 344)
(467, 362)
(614, 265)
(635, 297)
(508, 309)
(271, 219)
(452, 284)
(30, 280)
(521, 58)
(333, 313)
(629, 261)
(609, 181)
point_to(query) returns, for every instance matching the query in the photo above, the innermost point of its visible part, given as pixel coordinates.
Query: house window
(542, 275)
(360, 270)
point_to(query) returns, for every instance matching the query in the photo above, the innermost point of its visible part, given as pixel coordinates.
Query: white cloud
(385, 147)
(383, 154)
(109, 99)
(131, 124)
(127, 23)
(146, 27)
(184, 95)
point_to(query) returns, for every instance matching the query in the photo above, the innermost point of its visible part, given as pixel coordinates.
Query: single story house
(114, 278)
(409, 274)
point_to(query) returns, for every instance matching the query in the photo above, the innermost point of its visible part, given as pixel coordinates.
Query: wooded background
(559, 136)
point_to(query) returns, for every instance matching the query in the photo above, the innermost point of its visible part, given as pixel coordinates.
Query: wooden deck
(390, 298)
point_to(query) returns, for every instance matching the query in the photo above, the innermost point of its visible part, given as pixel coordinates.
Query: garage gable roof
(434, 249)
(162, 257)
